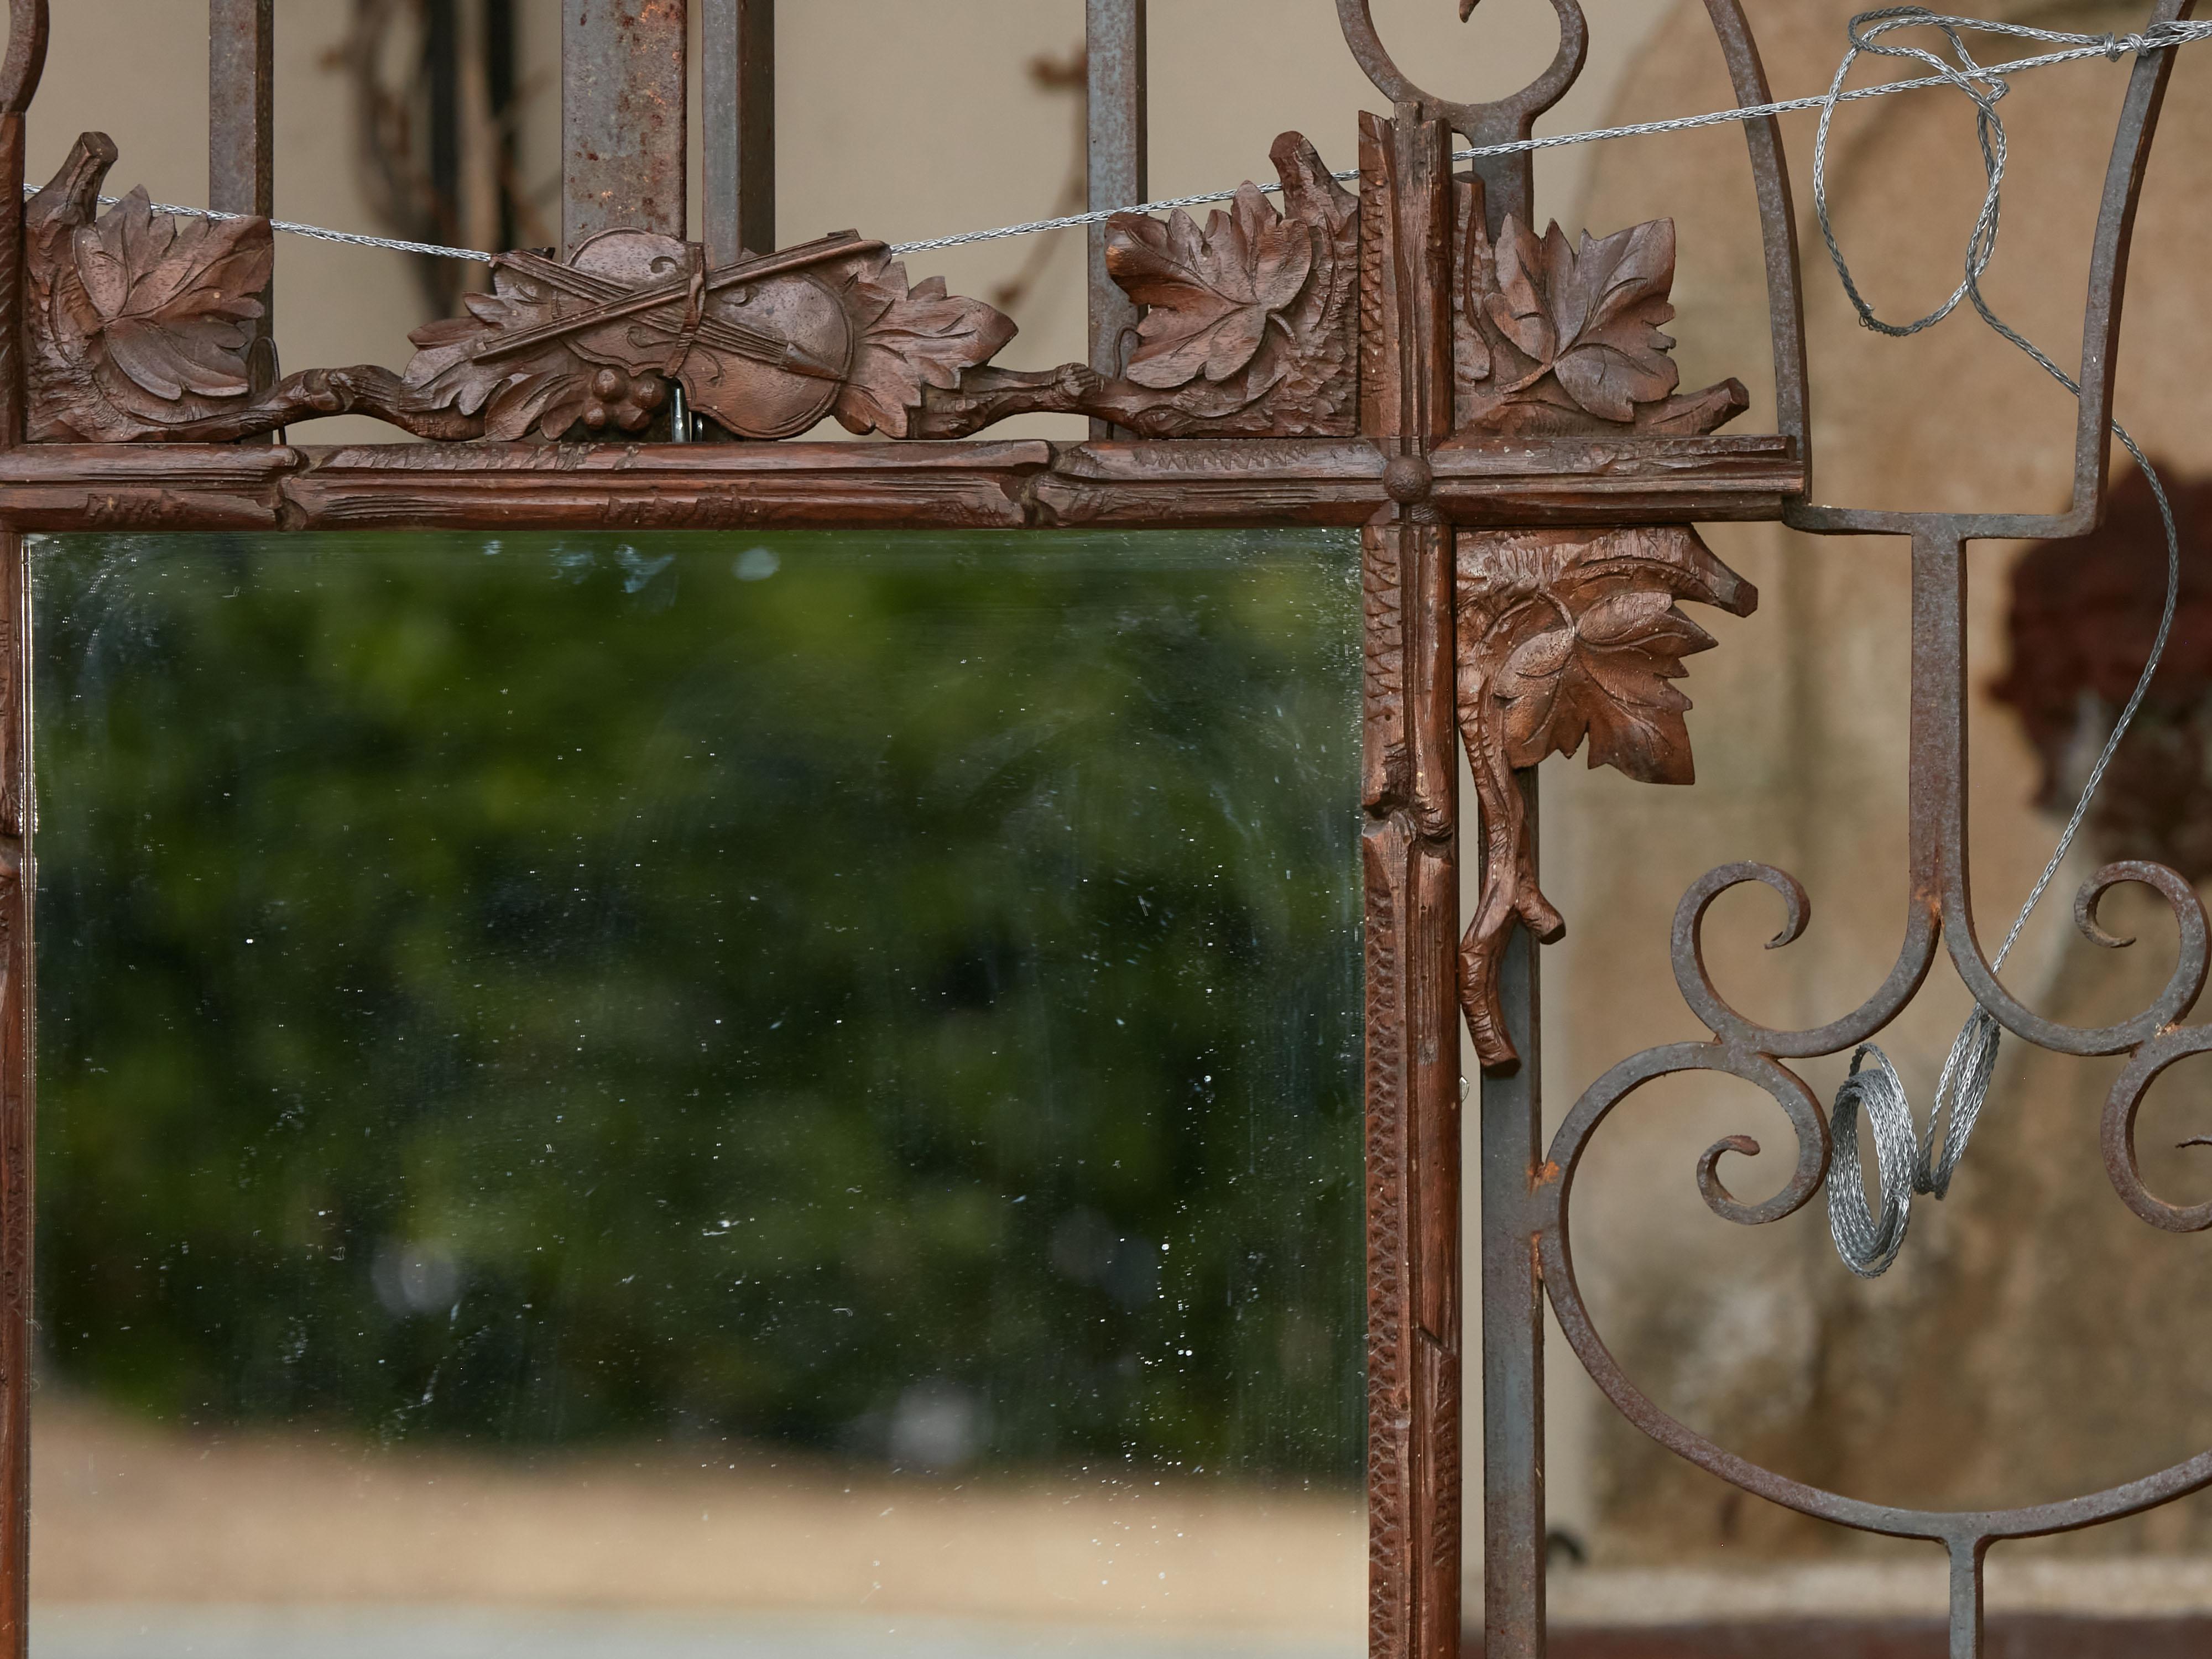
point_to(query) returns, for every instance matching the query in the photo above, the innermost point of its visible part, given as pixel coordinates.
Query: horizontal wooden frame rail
(1005, 484)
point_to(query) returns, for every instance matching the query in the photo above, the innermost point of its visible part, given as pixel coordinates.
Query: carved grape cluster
(627, 403)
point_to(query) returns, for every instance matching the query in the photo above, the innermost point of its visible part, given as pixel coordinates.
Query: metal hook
(1500, 122)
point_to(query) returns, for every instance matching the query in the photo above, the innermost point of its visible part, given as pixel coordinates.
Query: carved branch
(1563, 634)
(1554, 340)
(137, 332)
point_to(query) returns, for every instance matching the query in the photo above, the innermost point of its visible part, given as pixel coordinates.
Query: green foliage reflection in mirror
(567, 988)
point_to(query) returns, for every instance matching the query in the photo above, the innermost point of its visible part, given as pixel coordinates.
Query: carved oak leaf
(1591, 317)
(1563, 634)
(170, 295)
(134, 318)
(546, 387)
(1211, 296)
(906, 340)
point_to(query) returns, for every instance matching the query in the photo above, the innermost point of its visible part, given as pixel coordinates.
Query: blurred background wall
(2035, 1338)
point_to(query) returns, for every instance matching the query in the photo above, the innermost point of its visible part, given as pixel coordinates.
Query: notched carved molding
(1550, 340)
(1250, 330)
(1564, 635)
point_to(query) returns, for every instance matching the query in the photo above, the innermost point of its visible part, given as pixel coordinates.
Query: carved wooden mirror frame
(1410, 359)
(1496, 412)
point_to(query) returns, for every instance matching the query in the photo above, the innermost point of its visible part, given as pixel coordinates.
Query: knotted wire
(1905, 1163)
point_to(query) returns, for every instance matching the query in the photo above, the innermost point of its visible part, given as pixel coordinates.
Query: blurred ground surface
(154, 1545)
(127, 1515)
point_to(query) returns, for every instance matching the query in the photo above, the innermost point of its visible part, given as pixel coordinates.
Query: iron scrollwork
(1939, 914)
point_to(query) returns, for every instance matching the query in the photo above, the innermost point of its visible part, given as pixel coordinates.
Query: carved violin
(762, 345)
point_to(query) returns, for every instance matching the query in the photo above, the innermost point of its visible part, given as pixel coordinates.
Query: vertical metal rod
(622, 109)
(737, 89)
(500, 87)
(241, 139)
(19, 80)
(1967, 1558)
(1114, 167)
(1513, 1314)
(441, 76)
(15, 1076)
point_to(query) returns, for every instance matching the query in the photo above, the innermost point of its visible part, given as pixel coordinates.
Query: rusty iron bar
(1506, 179)
(737, 128)
(1512, 1119)
(1777, 222)
(1117, 130)
(623, 109)
(242, 140)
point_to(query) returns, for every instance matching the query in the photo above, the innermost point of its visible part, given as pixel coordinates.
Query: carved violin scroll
(1564, 636)
(137, 332)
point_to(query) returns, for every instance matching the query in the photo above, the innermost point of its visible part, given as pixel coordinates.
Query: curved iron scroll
(1939, 906)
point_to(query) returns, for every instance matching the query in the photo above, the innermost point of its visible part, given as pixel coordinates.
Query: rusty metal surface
(1116, 132)
(242, 140)
(1778, 221)
(737, 124)
(622, 103)
(1506, 179)
(1511, 1116)
(2018, 1636)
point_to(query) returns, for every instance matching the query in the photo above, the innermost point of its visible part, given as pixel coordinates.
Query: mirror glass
(683, 1094)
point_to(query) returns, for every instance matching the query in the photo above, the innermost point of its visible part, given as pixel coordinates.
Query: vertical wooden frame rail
(1410, 852)
(20, 70)
(1352, 405)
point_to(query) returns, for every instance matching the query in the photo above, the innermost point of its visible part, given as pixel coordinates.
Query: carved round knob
(1408, 479)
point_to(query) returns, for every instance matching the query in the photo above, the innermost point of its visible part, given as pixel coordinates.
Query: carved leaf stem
(137, 332)
(1564, 635)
